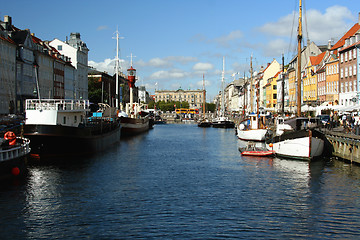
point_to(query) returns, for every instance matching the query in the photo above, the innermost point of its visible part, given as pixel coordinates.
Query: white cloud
(320, 26)
(203, 66)
(232, 36)
(199, 84)
(172, 74)
(100, 28)
(108, 65)
(223, 41)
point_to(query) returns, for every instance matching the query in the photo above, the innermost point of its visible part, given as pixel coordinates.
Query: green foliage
(169, 106)
(210, 107)
(94, 88)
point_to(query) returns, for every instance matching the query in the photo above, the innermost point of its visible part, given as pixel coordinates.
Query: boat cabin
(56, 112)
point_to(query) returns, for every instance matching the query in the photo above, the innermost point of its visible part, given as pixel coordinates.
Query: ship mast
(251, 86)
(204, 97)
(222, 90)
(299, 62)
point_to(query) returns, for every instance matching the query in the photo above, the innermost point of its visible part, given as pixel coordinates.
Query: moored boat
(58, 127)
(222, 122)
(252, 150)
(302, 141)
(13, 155)
(204, 123)
(305, 144)
(248, 130)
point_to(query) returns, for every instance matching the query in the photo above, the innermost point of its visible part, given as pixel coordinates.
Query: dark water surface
(179, 181)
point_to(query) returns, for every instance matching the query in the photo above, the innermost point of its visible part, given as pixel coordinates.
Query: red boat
(252, 150)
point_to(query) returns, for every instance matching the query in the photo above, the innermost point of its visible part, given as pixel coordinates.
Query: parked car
(324, 119)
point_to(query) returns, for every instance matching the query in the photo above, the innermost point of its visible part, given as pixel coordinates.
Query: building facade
(193, 97)
(77, 50)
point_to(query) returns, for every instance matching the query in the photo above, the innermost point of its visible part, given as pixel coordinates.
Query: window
(342, 73)
(342, 87)
(354, 53)
(346, 72)
(346, 56)
(350, 55)
(59, 47)
(354, 70)
(342, 57)
(350, 71)
(64, 120)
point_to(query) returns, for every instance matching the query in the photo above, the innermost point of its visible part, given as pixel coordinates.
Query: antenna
(117, 68)
(131, 59)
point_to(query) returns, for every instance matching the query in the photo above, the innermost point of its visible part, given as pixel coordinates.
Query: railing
(56, 104)
(16, 151)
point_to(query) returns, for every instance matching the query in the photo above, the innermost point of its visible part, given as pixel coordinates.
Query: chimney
(329, 45)
(359, 18)
(7, 19)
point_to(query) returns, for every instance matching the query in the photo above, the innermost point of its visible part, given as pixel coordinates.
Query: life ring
(11, 137)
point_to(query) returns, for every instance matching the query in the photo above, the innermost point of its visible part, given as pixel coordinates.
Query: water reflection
(183, 182)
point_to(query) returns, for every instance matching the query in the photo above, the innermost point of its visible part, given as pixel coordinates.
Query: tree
(211, 107)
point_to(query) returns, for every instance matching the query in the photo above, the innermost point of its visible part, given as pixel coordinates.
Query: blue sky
(177, 41)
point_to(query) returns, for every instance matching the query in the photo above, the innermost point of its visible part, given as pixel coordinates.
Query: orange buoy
(11, 137)
(15, 171)
(270, 145)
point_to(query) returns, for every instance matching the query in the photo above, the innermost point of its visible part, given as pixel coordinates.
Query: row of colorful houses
(329, 76)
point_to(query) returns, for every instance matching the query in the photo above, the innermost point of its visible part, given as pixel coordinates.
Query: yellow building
(332, 80)
(271, 91)
(310, 81)
(292, 87)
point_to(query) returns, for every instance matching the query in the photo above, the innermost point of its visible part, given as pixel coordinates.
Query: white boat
(248, 130)
(222, 121)
(302, 142)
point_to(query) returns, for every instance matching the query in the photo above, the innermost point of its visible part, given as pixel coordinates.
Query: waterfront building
(271, 92)
(143, 95)
(310, 79)
(232, 95)
(272, 68)
(347, 52)
(193, 97)
(349, 91)
(310, 50)
(7, 69)
(332, 79)
(77, 50)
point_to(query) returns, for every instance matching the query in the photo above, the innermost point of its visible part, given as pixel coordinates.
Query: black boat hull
(57, 140)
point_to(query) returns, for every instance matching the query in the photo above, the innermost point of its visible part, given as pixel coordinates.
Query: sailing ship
(222, 121)
(249, 129)
(133, 120)
(204, 122)
(303, 142)
(59, 127)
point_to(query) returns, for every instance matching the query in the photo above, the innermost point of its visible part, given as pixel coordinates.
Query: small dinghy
(252, 150)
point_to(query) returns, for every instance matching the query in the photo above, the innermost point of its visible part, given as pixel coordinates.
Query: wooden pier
(345, 146)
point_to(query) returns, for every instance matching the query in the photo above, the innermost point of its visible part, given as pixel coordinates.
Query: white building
(78, 53)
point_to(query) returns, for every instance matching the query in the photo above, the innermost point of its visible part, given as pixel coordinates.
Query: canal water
(179, 181)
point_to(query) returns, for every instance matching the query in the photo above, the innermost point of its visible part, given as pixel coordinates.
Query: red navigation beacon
(131, 76)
